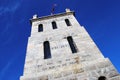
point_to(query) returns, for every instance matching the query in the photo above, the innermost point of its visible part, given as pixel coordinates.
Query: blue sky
(101, 18)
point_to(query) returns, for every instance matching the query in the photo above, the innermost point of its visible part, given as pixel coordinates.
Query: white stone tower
(59, 48)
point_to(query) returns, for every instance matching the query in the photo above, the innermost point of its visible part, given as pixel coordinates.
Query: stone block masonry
(59, 48)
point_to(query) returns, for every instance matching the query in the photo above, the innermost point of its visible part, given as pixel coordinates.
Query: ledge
(51, 16)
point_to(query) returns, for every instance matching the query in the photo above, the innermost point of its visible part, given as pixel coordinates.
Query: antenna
(53, 9)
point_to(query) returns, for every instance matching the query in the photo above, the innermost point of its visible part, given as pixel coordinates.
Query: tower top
(68, 12)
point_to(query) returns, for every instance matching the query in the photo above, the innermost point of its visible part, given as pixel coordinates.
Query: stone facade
(87, 63)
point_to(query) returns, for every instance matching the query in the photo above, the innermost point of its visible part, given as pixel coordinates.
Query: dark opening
(102, 78)
(40, 28)
(67, 22)
(54, 25)
(72, 44)
(47, 52)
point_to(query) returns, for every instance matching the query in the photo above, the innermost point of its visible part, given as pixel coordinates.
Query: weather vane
(53, 9)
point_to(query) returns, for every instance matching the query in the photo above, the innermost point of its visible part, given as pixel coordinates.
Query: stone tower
(59, 48)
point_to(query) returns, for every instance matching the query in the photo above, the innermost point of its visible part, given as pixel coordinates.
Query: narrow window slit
(47, 52)
(67, 22)
(40, 28)
(54, 25)
(72, 44)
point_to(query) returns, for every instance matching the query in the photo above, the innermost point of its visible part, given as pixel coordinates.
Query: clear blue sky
(101, 18)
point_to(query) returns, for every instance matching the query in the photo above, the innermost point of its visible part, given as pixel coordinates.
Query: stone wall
(87, 64)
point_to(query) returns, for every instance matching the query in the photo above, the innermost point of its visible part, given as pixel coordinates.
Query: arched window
(102, 78)
(72, 44)
(40, 28)
(47, 52)
(54, 25)
(67, 22)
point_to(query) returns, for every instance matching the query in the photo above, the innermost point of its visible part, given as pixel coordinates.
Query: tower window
(40, 28)
(67, 22)
(54, 25)
(72, 44)
(102, 78)
(47, 52)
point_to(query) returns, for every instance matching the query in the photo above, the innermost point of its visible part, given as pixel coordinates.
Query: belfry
(59, 48)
